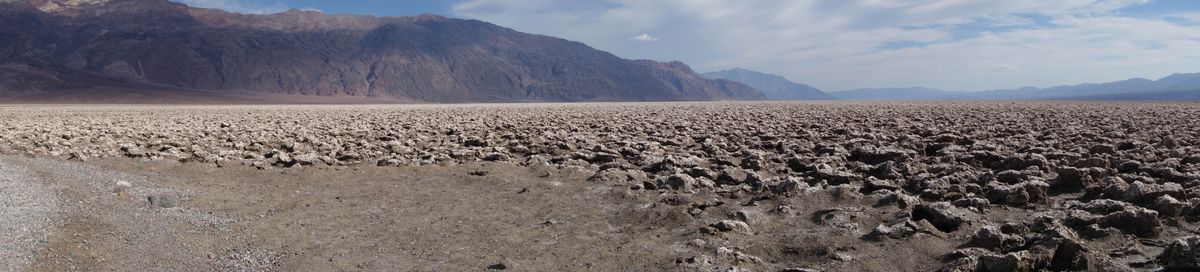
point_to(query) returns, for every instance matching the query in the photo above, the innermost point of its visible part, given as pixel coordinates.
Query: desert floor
(747, 186)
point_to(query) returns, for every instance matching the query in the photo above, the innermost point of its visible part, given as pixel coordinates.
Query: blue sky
(845, 44)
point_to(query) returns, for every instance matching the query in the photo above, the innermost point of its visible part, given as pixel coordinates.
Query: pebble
(163, 201)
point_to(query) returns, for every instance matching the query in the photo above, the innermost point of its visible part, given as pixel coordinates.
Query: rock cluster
(1091, 171)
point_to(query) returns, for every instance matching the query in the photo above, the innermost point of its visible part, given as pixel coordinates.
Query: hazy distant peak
(773, 86)
(737, 70)
(1180, 77)
(1173, 87)
(914, 88)
(748, 74)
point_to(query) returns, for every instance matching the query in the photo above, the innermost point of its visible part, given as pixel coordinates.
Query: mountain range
(65, 48)
(1173, 87)
(773, 86)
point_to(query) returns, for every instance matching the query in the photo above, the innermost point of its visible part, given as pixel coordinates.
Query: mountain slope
(1173, 87)
(56, 45)
(773, 86)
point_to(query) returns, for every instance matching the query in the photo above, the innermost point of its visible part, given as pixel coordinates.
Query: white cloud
(644, 38)
(851, 44)
(240, 6)
(1004, 67)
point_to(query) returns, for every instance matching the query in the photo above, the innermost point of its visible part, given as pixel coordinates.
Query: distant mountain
(773, 86)
(49, 47)
(1173, 87)
(910, 93)
(1159, 96)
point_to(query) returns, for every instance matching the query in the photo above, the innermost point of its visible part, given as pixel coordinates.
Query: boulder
(494, 156)
(873, 184)
(1019, 162)
(1069, 255)
(1129, 167)
(1140, 192)
(1169, 206)
(603, 157)
(617, 176)
(943, 215)
(900, 230)
(132, 151)
(972, 202)
(474, 142)
(990, 237)
(960, 265)
(837, 177)
(871, 155)
(1102, 149)
(902, 200)
(1017, 194)
(732, 176)
(788, 186)
(1102, 206)
(677, 182)
(1074, 179)
(1135, 220)
(731, 226)
(307, 158)
(1091, 162)
(1011, 176)
(1183, 254)
(1012, 262)
(886, 170)
(948, 138)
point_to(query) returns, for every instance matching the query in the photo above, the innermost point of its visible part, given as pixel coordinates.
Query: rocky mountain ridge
(61, 45)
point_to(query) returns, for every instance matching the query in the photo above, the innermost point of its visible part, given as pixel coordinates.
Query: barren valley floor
(752, 186)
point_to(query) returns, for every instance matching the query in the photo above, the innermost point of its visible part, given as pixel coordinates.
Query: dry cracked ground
(971, 186)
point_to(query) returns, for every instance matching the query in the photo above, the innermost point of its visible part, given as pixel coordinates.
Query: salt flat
(841, 186)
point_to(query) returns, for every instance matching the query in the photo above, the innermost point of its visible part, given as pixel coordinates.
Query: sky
(846, 44)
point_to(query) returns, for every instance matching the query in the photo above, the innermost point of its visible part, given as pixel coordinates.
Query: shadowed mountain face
(1173, 87)
(48, 46)
(773, 86)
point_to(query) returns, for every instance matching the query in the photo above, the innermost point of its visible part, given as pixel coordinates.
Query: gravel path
(66, 216)
(26, 217)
